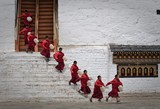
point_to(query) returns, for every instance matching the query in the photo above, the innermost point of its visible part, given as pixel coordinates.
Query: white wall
(99, 22)
(7, 18)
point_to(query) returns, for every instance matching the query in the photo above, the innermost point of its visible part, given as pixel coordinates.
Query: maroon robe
(24, 16)
(115, 83)
(84, 88)
(46, 49)
(97, 93)
(74, 75)
(25, 31)
(31, 42)
(58, 56)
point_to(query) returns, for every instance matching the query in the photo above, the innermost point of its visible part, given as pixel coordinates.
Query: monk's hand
(106, 87)
(90, 78)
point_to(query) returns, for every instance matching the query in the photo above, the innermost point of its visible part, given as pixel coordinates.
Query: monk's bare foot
(90, 99)
(26, 50)
(85, 95)
(99, 100)
(47, 59)
(118, 101)
(69, 83)
(106, 99)
(79, 91)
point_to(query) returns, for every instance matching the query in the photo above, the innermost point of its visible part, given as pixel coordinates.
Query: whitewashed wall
(99, 22)
(7, 21)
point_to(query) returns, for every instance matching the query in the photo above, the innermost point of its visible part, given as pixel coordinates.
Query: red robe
(46, 49)
(24, 16)
(74, 69)
(31, 42)
(97, 93)
(84, 88)
(25, 31)
(115, 83)
(58, 56)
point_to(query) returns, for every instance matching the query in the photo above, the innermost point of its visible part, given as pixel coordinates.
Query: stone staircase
(27, 77)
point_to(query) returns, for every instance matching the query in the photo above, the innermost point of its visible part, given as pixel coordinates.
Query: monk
(84, 88)
(24, 18)
(114, 92)
(58, 56)
(31, 43)
(46, 49)
(25, 32)
(74, 75)
(97, 93)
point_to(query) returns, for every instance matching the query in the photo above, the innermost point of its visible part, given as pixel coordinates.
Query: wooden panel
(45, 20)
(136, 58)
(45, 17)
(45, 29)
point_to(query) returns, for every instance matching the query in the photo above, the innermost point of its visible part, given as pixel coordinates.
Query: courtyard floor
(128, 101)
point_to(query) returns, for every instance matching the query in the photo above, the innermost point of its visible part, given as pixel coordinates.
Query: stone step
(29, 77)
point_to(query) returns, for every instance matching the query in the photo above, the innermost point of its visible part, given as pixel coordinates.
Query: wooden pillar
(149, 71)
(154, 69)
(17, 28)
(131, 71)
(143, 71)
(55, 26)
(36, 23)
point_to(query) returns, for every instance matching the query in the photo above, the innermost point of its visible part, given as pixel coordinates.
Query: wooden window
(137, 70)
(151, 70)
(122, 72)
(128, 71)
(145, 71)
(134, 71)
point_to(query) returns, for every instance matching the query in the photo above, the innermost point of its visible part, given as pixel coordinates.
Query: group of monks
(29, 35)
(98, 85)
(59, 57)
(29, 39)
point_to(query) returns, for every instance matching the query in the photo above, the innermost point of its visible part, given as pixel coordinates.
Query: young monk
(58, 56)
(46, 49)
(31, 43)
(24, 18)
(114, 92)
(74, 75)
(97, 93)
(84, 87)
(25, 32)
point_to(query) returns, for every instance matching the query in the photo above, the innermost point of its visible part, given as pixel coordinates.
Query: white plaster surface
(7, 18)
(99, 22)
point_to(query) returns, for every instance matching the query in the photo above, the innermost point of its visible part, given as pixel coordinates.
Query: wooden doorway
(45, 21)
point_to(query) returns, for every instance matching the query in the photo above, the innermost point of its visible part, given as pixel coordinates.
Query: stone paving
(128, 101)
